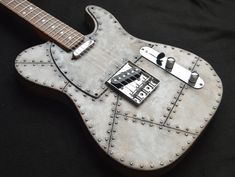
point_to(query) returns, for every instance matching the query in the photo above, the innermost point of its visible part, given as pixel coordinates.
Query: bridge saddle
(133, 82)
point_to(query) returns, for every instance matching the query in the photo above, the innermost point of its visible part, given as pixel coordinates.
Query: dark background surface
(40, 137)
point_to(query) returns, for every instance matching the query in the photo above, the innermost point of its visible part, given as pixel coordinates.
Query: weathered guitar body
(145, 138)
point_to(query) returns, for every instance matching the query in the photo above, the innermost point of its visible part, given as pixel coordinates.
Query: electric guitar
(144, 103)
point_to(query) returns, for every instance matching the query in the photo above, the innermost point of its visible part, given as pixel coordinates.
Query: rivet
(141, 166)
(131, 163)
(106, 139)
(142, 123)
(161, 163)
(99, 140)
(151, 165)
(189, 142)
(177, 154)
(122, 159)
(186, 134)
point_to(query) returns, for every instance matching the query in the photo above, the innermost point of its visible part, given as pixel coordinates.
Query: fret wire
(60, 30)
(65, 33)
(30, 12)
(51, 24)
(71, 39)
(55, 26)
(46, 22)
(40, 19)
(25, 8)
(69, 35)
(73, 43)
(19, 4)
(35, 15)
(10, 2)
(57, 30)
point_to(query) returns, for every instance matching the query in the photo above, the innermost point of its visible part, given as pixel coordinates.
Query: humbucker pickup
(133, 82)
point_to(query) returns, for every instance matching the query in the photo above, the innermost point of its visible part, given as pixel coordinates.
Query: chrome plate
(133, 82)
(177, 70)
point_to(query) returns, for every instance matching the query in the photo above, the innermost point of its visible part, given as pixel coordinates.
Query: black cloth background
(40, 137)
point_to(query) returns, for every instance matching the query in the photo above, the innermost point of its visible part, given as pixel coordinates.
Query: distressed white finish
(146, 137)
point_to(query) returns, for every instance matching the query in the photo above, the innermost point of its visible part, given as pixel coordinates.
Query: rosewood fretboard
(56, 30)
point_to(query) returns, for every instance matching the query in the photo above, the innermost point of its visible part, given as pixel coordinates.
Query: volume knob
(170, 63)
(194, 76)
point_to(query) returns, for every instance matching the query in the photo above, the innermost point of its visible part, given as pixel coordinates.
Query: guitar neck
(53, 28)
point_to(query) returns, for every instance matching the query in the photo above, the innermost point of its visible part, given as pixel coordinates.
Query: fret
(65, 35)
(74, 37)
(42, 18)
(46, 22)
(58, 31)
(10, 2)
(35, 15)
(24, 8)
(55, 28)
(33, 9)
(68, 35)
(75, 42)
(19, 4)
(52, 24)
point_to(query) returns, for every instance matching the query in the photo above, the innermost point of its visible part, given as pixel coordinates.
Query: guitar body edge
(145, 139)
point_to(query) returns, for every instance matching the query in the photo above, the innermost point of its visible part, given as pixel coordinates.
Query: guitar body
(141, 139)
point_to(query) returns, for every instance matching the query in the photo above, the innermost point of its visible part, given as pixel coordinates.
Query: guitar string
(41, 15)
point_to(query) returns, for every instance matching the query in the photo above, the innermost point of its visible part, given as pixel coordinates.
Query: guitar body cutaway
(142, 139)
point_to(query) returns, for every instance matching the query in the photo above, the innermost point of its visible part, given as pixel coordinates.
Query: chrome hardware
(194, 76)
(170, 66)
(133, 82)
(82, 48)
(170, 63)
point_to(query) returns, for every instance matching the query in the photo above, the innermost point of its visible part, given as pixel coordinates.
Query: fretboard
(56, 30)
